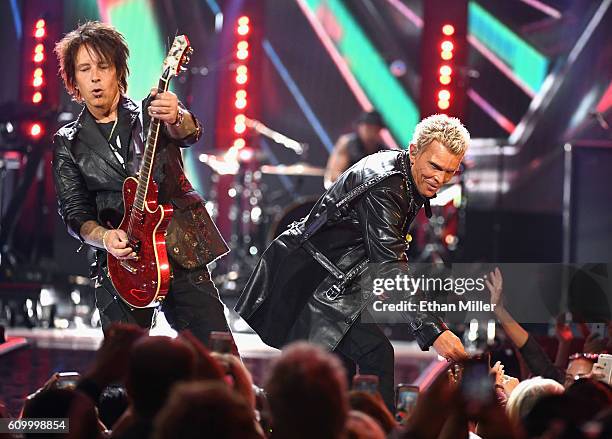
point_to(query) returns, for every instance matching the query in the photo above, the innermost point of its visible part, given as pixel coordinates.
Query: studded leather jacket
(306, 285)
(89, 180)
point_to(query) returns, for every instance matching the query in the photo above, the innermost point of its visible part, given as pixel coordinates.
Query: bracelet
(104, 240)
(180, 115)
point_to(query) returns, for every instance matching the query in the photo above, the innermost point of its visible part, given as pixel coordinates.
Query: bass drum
(294, 212)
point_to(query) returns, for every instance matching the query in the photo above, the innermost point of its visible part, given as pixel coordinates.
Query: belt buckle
(336, 290)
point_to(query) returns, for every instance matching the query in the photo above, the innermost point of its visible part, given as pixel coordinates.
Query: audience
(307, 394)
(143, 386)
(206, 409)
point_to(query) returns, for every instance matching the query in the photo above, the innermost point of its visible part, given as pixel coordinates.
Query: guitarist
(94, 155)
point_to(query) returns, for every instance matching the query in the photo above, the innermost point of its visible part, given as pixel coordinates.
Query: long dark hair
(101, 38)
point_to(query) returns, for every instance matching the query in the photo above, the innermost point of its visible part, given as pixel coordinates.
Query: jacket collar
(92, 137)
(419, 199)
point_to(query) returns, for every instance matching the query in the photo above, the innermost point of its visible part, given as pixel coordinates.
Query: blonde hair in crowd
(449, 131)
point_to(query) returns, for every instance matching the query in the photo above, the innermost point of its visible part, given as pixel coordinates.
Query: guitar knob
(189, 50)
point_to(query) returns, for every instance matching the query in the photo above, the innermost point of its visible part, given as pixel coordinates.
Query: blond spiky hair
(449, 131)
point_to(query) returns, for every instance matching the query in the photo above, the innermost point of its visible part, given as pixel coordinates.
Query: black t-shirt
(122, 130)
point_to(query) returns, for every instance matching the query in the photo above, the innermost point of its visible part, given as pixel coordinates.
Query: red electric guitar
(144, 281)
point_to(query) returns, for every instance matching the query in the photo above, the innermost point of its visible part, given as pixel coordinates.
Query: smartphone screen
(221, 342)
(406, 397)
(605, 360)
(366, 383)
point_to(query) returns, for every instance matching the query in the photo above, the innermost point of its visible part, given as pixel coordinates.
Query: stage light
(242, 54)
(446, 70)
(37, 81)
(242, 70)
(241, 94)
(37, 97)
(447, 46)
(38, 72)
(246, 155)
(444, 95)
(243, 30)
(239, 128)
(445, 79)
(35, 130)
(443, 105)
(242, 45)
(446, 55)
(243, 21)
(240, 104)
(40, 33)
(448, 29)
(240, 118)
(40, 23)
(239, 143)
(241, 79)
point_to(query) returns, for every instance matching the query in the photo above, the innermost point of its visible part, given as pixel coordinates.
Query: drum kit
(257, 216)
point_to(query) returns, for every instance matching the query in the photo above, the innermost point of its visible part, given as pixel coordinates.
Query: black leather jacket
(89, 180)
(306, 285)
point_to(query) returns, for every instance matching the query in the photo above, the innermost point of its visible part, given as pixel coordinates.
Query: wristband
(180, 115)
(104, 240)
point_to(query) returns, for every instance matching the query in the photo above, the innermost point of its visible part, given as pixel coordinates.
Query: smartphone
(601, 329)
(366, 383)
(68, 380)
(476, 385)
(221, 342)
(605, 361)
(406, 397)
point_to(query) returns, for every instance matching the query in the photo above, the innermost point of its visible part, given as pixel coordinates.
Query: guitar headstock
(178, 56)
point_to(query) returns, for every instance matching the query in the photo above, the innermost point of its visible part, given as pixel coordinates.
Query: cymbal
(295, 169)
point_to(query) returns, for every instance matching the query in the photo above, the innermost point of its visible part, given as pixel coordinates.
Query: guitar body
(145, 281)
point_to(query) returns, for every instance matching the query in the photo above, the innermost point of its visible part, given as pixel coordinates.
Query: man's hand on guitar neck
(114, 241)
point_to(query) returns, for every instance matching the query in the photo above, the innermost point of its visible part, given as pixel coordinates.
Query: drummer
(352, 147)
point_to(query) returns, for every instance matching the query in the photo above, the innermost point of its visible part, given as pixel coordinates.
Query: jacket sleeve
(186, 141)
(76, 204)
(381, 214)
(538, 362)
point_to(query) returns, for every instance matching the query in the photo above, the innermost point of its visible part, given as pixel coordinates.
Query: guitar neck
(146, 167)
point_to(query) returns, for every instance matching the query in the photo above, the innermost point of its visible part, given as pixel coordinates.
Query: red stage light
(241, 79)
(243, 21)
(446, 70)
(39, 57)
(242, 54)
(240, 104)
(39, 48)
(242, 70)
(443, 105)
(447, 46)
(243, 30)
(448, 29)
(239, 128)
(37, 97)
(241, 94)
(40, 33)
(444, 95)
(38, 72)
(446, 55)
(37, 81)
(239, 143)
(36, 130)
(445, 79)
(40, 23)
(242, 45)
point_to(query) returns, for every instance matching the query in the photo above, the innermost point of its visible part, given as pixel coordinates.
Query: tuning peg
(189, 50)
(186, 59)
